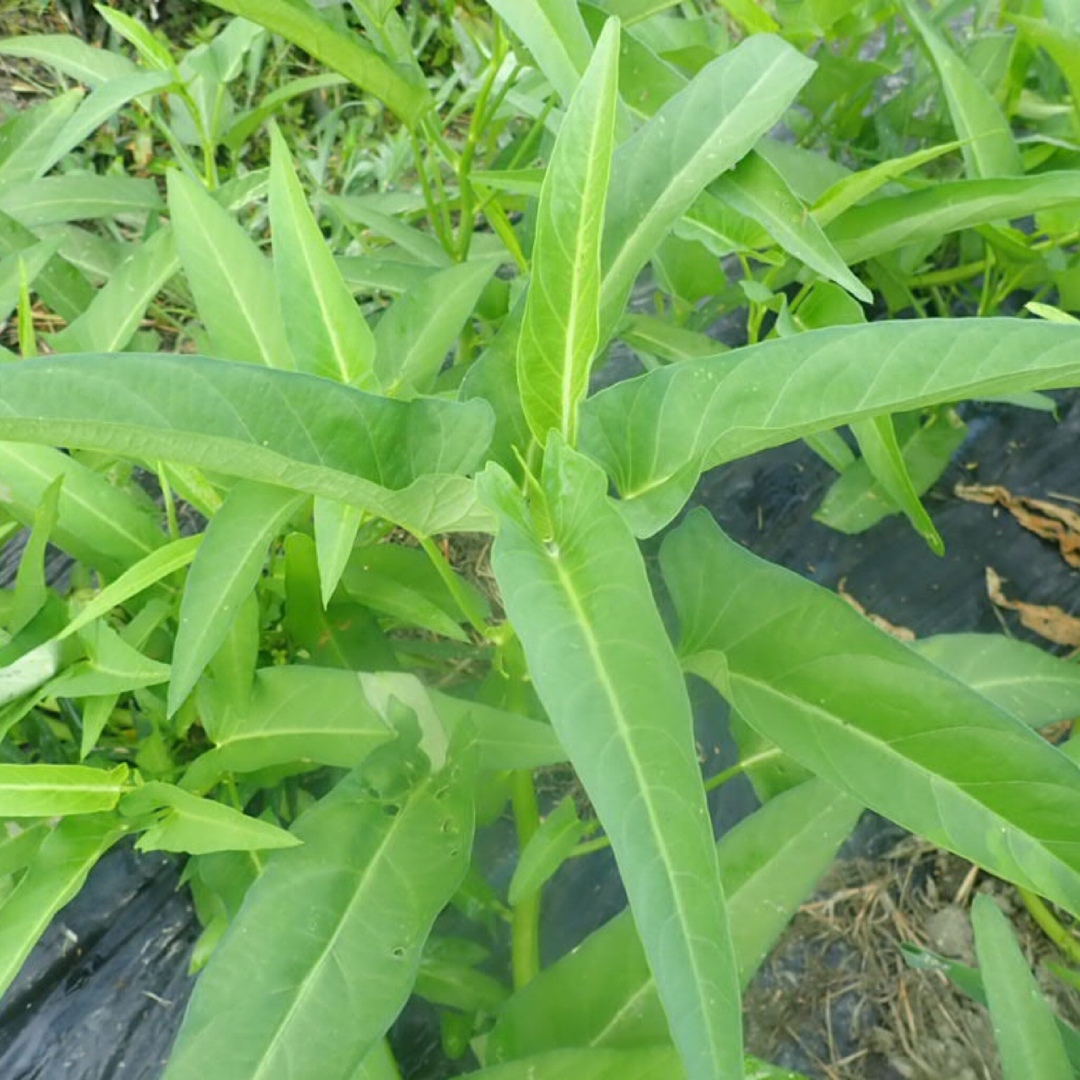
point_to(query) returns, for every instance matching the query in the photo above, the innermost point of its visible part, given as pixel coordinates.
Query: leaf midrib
(608, 687)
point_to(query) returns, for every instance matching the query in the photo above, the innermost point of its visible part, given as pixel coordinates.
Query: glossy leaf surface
(575, 590)
(863, 710)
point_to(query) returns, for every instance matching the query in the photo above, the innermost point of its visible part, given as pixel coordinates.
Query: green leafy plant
(283, 652)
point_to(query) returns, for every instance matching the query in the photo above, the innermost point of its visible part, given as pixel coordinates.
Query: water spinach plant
(281, 650)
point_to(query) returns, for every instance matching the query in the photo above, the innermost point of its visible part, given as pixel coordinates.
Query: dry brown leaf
(1055, 523)
(1047, 621)
(901, 633)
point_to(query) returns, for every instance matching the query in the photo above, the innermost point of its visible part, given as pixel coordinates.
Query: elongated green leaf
(561, 328)
(852, 189)
(229, 277)
(26, 137)
(146, 572)
(59, 284)
(864, 232)
(249, 122)
(986, 142)
(553, 32)
(759, 191)
(26, 264)
(226, 569)
(55, 876)
(602, 994)
(99, 524)
(31, 589)
(198, 826)
(112, 667)
(345, 53)
(71, 55)
(865, 712)
(252, 422)
(968, 981)
(30, 671)
(336, 526)
(856, 501)
(881, 452)
(326, 330)
(414, 336)
(109, 322)
(504, 740)
(306, 980)
(77, 198)
(1060, 40)
(551, 844)
(98, 108)
(53, 790)
(657, 433)
(293, 713)
(1022, 679)
(694, 137)
(580, 601)
(1024, 1027)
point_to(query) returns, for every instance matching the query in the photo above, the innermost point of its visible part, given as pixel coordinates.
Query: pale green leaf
(553, 32)
(71, 56)
(578, 597)
(561, 328)
(1024, 680)
(985, 138)
(345, 53)
(551, 844)
(326, 330)
(307, 979)
(294, 713)
(882, 455)
(885, 224)
(869, 715)
(77, 198)
(229, 278)
(1024, 1027)
(55, 876)
(55, 790)
(757, 190)
(259, 424)
(226, 568)
(414, 336)
(108, 324)
(186, 823)
(693, 138)
(25, 138)
(657, 433)
(602, 994)
(336, 525)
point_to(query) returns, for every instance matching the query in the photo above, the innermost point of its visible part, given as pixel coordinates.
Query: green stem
(1050, 926)
(464, 599)
(525, 923)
